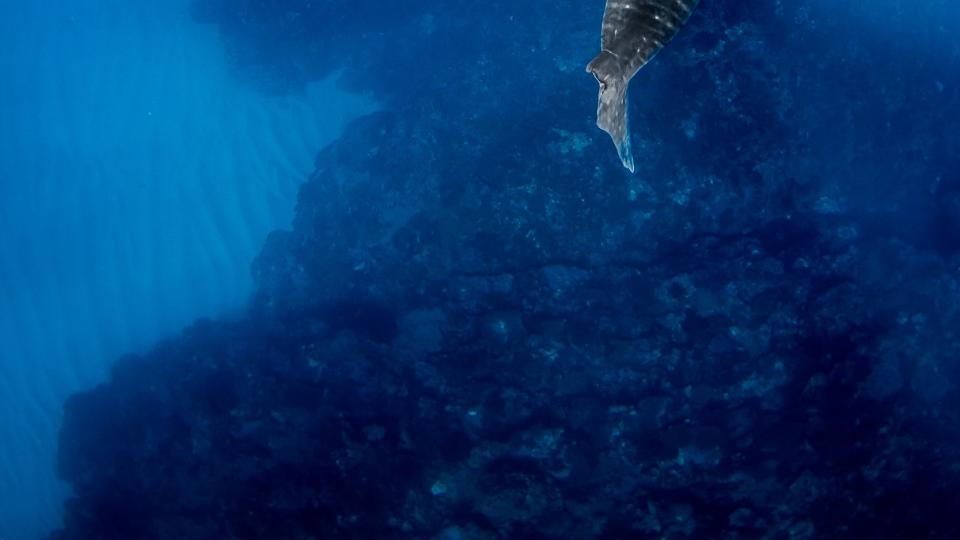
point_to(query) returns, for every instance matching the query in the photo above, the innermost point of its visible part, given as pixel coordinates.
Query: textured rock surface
(479, 327)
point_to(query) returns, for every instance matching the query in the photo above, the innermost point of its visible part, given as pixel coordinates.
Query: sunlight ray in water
(138, 180)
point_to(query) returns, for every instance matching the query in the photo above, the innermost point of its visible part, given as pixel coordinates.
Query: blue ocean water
(138, 179)
(369, 270)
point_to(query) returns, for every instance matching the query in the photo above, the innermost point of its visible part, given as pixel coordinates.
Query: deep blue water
(360, 269)
(138, 179)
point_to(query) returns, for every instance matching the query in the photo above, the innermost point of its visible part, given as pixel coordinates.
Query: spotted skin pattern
(633, 32)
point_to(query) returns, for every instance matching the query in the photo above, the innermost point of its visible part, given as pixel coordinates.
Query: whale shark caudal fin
(612, 105)
(633, 32)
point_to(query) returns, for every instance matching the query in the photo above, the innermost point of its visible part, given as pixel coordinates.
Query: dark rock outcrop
(479, 327)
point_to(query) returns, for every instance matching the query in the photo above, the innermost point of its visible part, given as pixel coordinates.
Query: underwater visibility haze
(138, 179)
(331, 269)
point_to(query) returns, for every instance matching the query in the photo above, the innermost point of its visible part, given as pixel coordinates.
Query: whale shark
(633, 32)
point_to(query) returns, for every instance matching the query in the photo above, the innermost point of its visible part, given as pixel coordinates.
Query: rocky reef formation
(480, 327)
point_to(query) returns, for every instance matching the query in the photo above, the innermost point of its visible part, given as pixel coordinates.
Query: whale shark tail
(612, 104)
(631, 35)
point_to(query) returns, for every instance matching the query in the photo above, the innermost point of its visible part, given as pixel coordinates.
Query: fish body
(633, 32)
